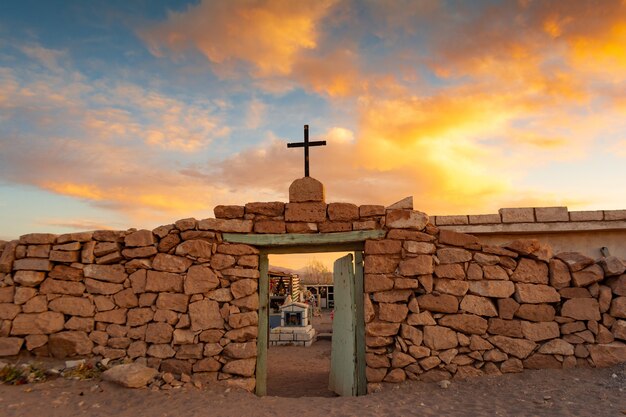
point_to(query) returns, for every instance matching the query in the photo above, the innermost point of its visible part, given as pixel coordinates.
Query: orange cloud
(267, 34)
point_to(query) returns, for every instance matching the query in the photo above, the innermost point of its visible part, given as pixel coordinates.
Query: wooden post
(361, 380)
(263, 334)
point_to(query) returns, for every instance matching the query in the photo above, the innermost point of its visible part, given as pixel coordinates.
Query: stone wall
(438, 304)
(175, 297)
(586, 232)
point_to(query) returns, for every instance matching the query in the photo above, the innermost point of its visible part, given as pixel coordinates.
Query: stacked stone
(439, 305)
(306, 212)
(176, 297)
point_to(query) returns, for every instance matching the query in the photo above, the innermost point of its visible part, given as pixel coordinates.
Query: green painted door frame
(307, 243)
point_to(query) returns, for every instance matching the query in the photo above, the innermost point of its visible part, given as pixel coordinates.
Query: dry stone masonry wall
(176, 297)
(438, 304)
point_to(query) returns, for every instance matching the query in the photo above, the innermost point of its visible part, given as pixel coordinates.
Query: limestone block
(226, 225)
(200, 279)
(228, 212)
(112, 316)
(439, 338)
(612, 266)
(305, 212)
(243, 287)
(540, 331)
(418, 265)
(306, 189)
(466, 323)
(520, 348)
(618, 307)
(511, 328)
(164, 282)
(452, 271)
(559, 274)
(270, 226)
(39, 251)
(55, 286)
(496, 289)
(535, 293)
(381, 247)
(551, 214)
(586, 216)
(512, 365)
(32, 264)
(108, 273)
(29, 278)
(38, 239)
(98, 287)
(139, 316)
(608, 354)
(196, 248)
(8, 256)
(68, 344)
(451, 220)
(406, 219)
(517, 215)
(531, 271)
(174, 302)
(536, 312)
(10, 346)
(484, 218)
(7, 294)
(494, 272)
(72, 306)
(37, 323)
(8, 311)
(343, 212)
(301, 227)
(609, 215)
(162, 351)
(378, 328)
(395, 313)
(132, 375)
(481, 306)
(581, 309)
(451, 286)
(588, 276)
(575, 261)
(139, 238)
(238, 273)
(64, 256)
(507, 307)
(443, 303)
(453, 255)
(139, 252)
(369, 210)
(204, 315)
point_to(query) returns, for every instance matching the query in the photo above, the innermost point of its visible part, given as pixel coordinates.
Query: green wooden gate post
(263, 332)
(361, 381)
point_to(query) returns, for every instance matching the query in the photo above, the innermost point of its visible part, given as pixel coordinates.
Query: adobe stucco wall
(438, 304)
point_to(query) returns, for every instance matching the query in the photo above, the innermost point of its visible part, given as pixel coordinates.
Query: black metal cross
(306, 144)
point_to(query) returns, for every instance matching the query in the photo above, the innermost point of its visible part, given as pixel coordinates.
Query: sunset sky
(118, 114)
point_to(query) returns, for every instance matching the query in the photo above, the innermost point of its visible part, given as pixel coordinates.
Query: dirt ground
(574, 392)
(297, 385)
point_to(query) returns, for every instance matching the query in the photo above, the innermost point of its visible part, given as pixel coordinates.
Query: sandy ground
(577, 392)
(297, 380)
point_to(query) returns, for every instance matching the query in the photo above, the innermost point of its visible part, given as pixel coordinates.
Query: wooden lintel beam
(304, 239)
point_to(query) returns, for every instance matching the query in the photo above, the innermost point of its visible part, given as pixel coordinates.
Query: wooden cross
(306, 144)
